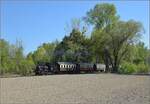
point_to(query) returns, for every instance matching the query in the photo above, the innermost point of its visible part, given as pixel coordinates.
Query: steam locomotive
(67, 67)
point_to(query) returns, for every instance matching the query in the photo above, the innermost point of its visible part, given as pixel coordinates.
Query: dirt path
(76, 89)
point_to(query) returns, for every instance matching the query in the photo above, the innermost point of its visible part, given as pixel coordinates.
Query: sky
(36, 21)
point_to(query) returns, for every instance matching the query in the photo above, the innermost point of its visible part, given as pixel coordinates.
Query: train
(68, 67)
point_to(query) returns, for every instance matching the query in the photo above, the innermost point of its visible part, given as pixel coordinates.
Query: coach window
(62, 66)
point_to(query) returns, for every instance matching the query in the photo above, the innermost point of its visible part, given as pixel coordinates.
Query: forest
(112, 42)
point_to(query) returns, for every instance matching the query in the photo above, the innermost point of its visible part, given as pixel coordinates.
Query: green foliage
(141, 53)
(111, 36)
(143, 68)
(130, 68)
(44, 53)
(123, 34)
(74, 47)
(4, 55)
(26, 67)
(102, 15)
(12, 59)
(127, 68)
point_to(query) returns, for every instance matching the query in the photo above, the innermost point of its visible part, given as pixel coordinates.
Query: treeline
(114, 42)
(12, 60)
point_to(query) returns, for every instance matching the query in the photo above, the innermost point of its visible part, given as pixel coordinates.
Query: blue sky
(36, 22)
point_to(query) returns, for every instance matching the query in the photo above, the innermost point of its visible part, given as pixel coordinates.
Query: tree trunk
(106, 60)
(115, 66)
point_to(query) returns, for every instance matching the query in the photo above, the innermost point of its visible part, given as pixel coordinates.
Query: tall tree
(73, 47)
(101, 16)
(111, 36)
(122, 35)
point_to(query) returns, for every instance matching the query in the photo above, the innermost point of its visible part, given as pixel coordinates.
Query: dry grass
(76, 89)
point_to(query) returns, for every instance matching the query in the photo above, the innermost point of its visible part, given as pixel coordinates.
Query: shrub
(25, 67)
(127, 68)
(142, 68)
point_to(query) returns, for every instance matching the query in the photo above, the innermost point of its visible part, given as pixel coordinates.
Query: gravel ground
(76, 89)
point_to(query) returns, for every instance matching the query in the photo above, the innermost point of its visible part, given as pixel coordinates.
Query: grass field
(76, 89)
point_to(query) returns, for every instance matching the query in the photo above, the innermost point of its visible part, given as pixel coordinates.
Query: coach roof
(65, 63)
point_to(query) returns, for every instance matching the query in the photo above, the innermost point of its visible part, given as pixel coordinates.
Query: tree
(101, 16)
(4, 55)
(12, 59)
(44, 53)
(122, 35)
(73, 48)
(111, 37)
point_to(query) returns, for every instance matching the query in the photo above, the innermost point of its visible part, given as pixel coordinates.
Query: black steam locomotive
(67, 67)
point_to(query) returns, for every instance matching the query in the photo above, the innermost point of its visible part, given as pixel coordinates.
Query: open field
(76, 89)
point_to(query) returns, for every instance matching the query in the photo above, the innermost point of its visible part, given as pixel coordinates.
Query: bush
(142, 68)
(25, 67)
(127, 68)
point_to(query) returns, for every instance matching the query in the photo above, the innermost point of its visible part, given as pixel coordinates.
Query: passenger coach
(66, 66)
(87, 67)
